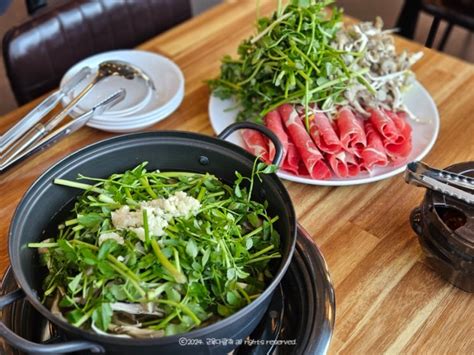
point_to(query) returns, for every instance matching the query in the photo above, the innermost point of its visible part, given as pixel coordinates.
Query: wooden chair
(454, 12)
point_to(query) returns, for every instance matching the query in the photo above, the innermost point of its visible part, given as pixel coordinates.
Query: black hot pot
(167, 150)
(445, 229)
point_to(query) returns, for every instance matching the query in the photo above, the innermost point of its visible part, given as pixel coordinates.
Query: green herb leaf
(73, 285)
(233, 298)
(106, 248)
(223, 310)
(102, 316)
(191, 248)
(269, 169)
(90, 220)
(75, 316)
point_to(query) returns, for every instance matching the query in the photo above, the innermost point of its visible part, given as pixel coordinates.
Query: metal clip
(445, 182)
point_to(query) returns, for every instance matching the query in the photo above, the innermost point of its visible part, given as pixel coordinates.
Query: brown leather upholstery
(38, 52)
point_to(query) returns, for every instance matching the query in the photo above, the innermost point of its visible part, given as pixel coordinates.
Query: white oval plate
(165, 74)
(134, 126)
(126, 120)
(138, 94)
(425, 132)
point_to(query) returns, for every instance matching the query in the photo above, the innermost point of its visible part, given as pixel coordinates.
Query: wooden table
(388, 299)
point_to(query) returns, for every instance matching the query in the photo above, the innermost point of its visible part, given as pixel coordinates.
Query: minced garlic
(159, 212)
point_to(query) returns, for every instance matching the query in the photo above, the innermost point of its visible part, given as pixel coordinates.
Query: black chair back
(38, 52)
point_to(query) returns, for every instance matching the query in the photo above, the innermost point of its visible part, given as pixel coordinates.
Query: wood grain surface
(388, 299)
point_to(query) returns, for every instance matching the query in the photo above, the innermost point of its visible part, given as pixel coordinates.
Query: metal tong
(66, 129)
(40, 130)
(454, 185)
(34, 116)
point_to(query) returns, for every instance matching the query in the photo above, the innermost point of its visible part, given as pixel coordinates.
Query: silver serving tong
(454, 185)
(106, 69)
(66, 129)
(35, 115)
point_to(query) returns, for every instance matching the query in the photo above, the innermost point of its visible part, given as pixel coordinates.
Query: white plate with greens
(425, 131)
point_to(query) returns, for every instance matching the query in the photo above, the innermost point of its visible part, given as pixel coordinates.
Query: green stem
(306, 106)
(71, 222)
(270, 27)
(259, 229)
(337, 81)
(201, 194)
(243, 293)
(121, 268)
(255, 72)
(263, 251)
(78, 228)
(78, 185)
(183, 307)
(306, 58)
(228, 83)
(254, 168)
(148, 188)
(215, 194)
(161, 322)
(127, 277)
(146, 227)
(106, 199)
(178, 276)
(252, 297)
(176, 260)
(273, 256)
(84, 318)
(42, 245)
(169, 174)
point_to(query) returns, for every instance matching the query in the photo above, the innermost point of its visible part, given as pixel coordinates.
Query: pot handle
(415, 221)
(262, 129)
(29, 347)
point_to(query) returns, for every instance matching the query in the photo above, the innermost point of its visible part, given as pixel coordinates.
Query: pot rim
(117, 141)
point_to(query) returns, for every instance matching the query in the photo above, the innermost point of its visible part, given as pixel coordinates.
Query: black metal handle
(262, 129)
(415, 221)
(30, 347)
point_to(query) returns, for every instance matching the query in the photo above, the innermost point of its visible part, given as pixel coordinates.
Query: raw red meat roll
(374, 153)
(351, 132)
(385, 126)
(400, 121)
(343, 164)
(323, 133)
(274, 123)
(401, 148)
(256, 144)
(309, 153)
(291, 161)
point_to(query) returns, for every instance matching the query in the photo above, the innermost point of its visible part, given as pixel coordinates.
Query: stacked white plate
(143, 106)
